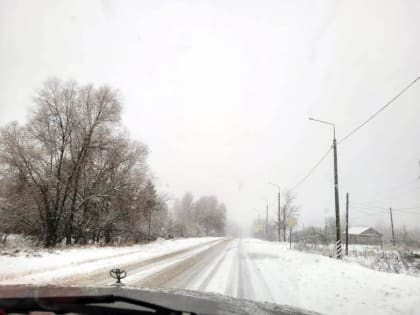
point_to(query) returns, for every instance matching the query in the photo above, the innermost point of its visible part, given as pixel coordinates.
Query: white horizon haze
(221, 92)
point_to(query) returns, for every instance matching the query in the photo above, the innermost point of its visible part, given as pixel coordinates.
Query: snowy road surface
(244, 268)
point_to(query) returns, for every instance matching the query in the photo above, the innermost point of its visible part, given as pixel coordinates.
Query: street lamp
(337, 204)
(266, 217)
(279, 214)
(324, 122)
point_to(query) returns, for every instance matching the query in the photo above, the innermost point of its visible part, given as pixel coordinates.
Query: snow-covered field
(245, 268)
(388, 258)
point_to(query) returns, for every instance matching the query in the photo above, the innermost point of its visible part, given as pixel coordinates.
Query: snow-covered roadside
(248, 268)
(327, 285)
(50, 265)
(387, 258)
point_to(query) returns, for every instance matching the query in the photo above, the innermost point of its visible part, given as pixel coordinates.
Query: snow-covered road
(265, 271)
(244, 268)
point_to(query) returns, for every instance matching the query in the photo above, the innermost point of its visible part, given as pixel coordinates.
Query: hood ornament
(118, 274)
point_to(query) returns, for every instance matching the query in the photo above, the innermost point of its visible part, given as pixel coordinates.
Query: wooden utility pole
(284, 222)
(338, 246)
(290, 237)
(392, 226)
(266, 221)
(347, 224)
(150, 223)
(337, 203)
(279, 217)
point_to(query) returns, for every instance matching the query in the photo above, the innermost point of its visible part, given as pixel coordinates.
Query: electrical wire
(367, 205)
(368, 212)
(408, 211)
(367, 215)
(409, 208)
(311, 170)
(379, 110)
(354, 131)
(397, 192)
(405, 212)
(395, 189)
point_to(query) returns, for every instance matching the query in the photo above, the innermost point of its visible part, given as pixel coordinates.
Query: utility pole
(278, 216)
(150, 221)
(337, 203)
(266, 221)
(347, 224)
(326, 233)
(284, 223)
(290, 236)
(392, 226)
(336, 198)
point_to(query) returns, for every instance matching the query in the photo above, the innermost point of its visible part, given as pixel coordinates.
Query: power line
(368, 212)
(399, 211)
(396, 190)
(354, 131)
(357, 206)
(410, 208)
(376, 214)
(367, 205)
(393, 194)
(406, 212)
(312, 170)
(379, 111)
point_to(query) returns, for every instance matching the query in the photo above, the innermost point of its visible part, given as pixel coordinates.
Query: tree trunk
(50, 239)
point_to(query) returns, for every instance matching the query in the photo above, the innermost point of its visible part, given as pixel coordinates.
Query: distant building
(364, 235)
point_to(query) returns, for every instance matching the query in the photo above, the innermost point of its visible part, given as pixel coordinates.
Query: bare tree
(185, 215)
(205, 216)
(289, 209)
(70, 172)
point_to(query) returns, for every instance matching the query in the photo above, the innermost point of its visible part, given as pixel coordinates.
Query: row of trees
(72, 174)
(204, 216)
(269, 229)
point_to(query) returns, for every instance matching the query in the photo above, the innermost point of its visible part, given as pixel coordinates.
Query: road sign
(260, 228)
(291, 222)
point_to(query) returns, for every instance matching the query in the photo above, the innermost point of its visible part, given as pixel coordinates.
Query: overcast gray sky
(221, 92)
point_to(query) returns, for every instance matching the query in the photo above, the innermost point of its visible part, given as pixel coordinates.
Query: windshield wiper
(100, 304)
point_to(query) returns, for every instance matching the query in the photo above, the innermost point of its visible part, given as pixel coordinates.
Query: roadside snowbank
(48, 265)
(328, 285)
